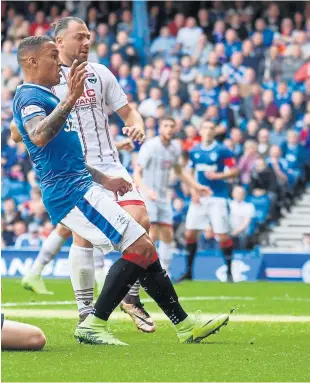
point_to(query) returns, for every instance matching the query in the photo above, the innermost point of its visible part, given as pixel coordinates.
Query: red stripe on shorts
(130, 202)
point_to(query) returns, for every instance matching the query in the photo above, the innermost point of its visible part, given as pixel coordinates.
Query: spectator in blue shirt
(278, 135)
(251, 59)
(125, 80)
(218, 34)
(212, 68)
(236, 137)
(125, 48)
(163, 46)
(225, 112)
(260, 26)
(232, 44)
(298, 104)
(30, 239)
(294, 153)
(234, 72)
(209, 93)
(103, 54)
(104, 35)
(282, 95)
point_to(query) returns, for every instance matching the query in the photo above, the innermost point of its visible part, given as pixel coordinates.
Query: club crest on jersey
(213, 156)
(91, 78)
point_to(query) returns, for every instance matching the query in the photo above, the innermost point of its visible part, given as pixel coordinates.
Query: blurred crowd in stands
(243, 65)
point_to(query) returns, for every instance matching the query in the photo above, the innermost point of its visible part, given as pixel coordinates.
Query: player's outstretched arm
(42, 130)
(190, 181)
(138, 172)
(134, 125)
(117, 185)
(230, 173)
(126, 145)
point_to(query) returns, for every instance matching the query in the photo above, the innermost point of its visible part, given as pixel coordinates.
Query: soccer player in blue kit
(73, 199)
(213, 164)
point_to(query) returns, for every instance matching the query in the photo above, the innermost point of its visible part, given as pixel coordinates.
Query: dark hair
(31, 43)
(63, 23)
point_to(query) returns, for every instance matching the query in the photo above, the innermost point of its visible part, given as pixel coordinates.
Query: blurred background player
(155, 160)
(213, 164)
(90, 116)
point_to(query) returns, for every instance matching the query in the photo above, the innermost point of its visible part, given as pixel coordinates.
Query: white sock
(165, 254)
(100, 272)
(134, 291)
(49, 250)
(81, 263)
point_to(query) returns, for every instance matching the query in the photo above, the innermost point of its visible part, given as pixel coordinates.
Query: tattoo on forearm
(44, 130)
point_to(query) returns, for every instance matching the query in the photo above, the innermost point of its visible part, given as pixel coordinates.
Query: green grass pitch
(241, 352)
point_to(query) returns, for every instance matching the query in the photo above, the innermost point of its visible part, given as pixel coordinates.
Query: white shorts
(159, 212)
(211, 211)
(116, 169)
(102, 221)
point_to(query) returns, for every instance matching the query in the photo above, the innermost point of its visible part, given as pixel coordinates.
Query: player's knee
(143, 246)
(190, 236)
(63, 231)
(167, 235)
(37, 340)
(148, 248)
(79, 241)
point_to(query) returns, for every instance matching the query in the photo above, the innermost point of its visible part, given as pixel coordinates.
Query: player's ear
(33, 61)
(58, 40)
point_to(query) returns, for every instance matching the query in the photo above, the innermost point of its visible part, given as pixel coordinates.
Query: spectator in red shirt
(176, 24)
(271, 109)
(39, 22)
(303, 73)
(192, 138)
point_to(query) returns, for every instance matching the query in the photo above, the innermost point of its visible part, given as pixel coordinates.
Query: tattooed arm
(115, 184)
(42, 130)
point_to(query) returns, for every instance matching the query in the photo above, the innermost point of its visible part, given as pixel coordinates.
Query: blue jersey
(60, 166)
(213, 158)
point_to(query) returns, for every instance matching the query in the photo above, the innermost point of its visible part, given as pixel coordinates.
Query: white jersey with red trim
(157, 160)
(90, 116)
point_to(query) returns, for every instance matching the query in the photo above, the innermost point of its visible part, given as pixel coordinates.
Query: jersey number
(69, 126)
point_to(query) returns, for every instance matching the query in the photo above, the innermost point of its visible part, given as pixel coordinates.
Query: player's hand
(212, 176)
(126, 145)
(136, 133)
(195, 197)
(203, 190)
(77, 76)
(117, 185)
(152, 195)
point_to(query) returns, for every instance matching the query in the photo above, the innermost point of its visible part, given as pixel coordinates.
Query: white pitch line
(146, 300)
(72, 314)
(149, 300)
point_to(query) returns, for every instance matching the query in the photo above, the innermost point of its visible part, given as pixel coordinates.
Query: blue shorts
(2, 320)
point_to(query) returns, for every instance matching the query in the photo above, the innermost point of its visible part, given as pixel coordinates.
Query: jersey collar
(210, 147)
(36, 86)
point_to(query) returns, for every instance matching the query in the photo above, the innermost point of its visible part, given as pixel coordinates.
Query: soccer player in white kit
(157, 157)
(90, 116)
